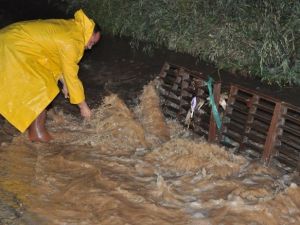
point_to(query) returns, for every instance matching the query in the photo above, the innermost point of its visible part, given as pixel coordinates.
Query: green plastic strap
(213, 104)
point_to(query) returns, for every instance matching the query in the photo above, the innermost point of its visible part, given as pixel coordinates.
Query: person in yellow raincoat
(34, 56)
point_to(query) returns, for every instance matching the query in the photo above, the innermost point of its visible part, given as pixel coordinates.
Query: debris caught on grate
(185, 97)
(254, 124)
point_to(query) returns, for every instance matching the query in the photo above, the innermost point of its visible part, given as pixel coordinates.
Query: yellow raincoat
(34, 55)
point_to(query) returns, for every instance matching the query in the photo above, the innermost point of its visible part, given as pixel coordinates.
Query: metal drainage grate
(178, 88)
(287, 147)
(262, 127)
(247, 121)
(257, 125)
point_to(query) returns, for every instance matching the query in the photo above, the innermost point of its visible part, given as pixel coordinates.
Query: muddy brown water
(129, 165)
(126, 166)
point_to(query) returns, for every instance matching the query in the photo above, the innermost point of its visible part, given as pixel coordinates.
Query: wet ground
(127, 165)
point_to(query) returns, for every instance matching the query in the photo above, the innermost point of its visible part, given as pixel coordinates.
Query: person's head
(95, 37)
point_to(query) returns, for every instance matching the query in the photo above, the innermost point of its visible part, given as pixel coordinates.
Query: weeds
(260, 37)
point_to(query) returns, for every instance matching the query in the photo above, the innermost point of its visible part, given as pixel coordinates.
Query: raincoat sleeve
(70, 57)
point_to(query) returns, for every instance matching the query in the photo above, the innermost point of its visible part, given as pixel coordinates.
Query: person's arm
(84, 108)
(72, 83)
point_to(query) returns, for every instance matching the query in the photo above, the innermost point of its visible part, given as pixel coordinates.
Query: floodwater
(130, 166)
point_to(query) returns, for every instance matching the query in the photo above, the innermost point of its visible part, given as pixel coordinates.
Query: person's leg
(37, 131)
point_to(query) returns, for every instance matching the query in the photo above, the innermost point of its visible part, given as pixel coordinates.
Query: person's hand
(65, 91)
(85, 110)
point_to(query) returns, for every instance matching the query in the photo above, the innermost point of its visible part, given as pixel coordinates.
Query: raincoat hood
(86, 24)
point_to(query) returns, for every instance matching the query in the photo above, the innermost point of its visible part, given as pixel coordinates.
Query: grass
(258, 38)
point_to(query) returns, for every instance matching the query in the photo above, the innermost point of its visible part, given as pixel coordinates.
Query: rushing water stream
(129, 166)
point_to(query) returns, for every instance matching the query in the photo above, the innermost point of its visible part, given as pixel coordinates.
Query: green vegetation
(258, 38)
